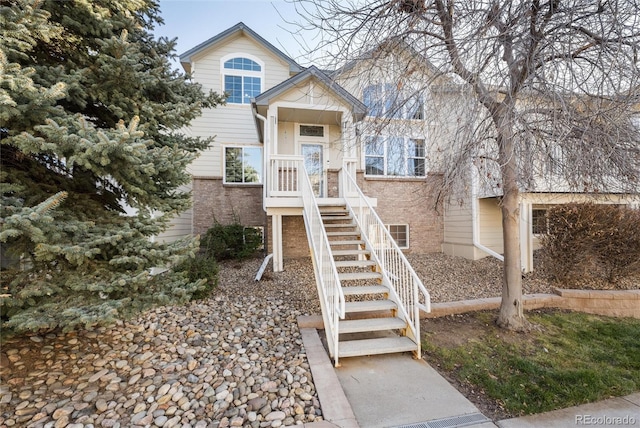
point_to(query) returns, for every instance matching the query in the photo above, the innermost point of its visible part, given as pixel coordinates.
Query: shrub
(201, 267)
(231, 241)
(587, 241)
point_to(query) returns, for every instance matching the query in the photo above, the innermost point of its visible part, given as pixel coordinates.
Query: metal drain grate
(453, 422)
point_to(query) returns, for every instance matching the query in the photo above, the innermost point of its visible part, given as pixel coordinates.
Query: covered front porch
(307, 127)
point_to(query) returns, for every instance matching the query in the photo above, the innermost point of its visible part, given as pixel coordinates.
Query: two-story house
(278, 109)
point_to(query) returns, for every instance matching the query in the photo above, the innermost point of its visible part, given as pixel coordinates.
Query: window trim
(385, 156)
(533, 222)
(241, 73)
(407, 229)
(224, 164)
(393, 103)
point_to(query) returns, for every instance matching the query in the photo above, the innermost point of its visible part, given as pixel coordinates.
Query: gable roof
(358, 109)
(240, 27)
(386, 48)
(356, 105)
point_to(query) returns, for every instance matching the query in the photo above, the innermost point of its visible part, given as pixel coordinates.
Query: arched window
(242, 79)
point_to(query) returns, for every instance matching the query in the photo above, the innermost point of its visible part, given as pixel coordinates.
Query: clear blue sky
(195, 21)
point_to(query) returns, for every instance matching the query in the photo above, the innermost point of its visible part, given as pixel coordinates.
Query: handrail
(396, 269)
(329, 288)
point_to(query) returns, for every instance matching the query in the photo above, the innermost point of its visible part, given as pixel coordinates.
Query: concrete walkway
(399, 391)
(614, 412)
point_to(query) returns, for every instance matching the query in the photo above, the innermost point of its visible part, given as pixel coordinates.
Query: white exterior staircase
(369, 293)
(371, 325)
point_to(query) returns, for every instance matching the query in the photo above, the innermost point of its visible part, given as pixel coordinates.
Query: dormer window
(242, 79)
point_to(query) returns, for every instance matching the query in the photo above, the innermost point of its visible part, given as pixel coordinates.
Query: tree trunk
(511, 315)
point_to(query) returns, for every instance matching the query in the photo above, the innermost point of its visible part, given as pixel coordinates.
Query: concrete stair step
(332, 207)
(371, 324)
(339, 225)
(354, 263)
(346, 242)
(346, 216)
(332, 211)
(344, 233)
(386, 345)
(369, 305)
(349, 252)
(364, 289)
(355, 276)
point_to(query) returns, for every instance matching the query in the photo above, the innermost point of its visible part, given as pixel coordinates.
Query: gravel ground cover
(234, 359)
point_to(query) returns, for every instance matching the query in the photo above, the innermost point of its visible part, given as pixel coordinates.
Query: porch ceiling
(300, 115)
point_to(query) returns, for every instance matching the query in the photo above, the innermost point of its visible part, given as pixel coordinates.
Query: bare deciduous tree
(553, 89)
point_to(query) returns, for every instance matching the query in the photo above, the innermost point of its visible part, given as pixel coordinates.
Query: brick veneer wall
(408, 201)
(214, 201)
(400, 201)
(294, 237)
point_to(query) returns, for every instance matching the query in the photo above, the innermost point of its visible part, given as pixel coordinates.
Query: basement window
(400, 234)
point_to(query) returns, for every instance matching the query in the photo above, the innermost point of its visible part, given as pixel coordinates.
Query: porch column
(276, 239)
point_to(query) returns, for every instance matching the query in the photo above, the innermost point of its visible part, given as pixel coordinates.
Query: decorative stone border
(613, 303)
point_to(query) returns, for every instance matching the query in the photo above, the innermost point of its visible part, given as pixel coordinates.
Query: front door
(314, 165)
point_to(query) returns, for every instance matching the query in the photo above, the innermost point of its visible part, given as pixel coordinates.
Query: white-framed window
(312, 131)
(385, 100)
(539, 223)
(555, 159)
(394, 156)
(242, 78)
(242, 165)
(400, 234)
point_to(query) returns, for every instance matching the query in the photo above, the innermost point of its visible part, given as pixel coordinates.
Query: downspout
(474, 221)
(264, 158)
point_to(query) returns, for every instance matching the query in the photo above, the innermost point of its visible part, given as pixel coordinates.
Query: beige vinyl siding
(458, 224)
(231, 124)
(286, 138)
(207, 63)
(336, 151)
(180, 227)
(311, 92)
(490, 225)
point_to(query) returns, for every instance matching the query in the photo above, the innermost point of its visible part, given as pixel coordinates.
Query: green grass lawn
(570, 359)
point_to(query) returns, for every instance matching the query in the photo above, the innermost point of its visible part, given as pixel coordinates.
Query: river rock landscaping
(233, 359)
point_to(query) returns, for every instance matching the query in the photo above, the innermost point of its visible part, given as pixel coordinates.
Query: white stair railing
(406, 286)
(329, 288)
